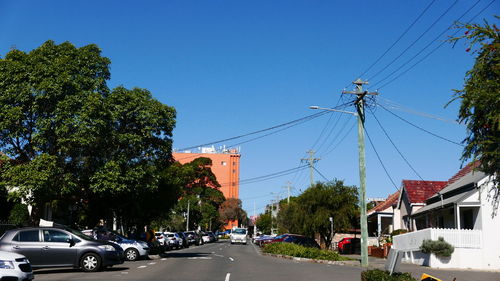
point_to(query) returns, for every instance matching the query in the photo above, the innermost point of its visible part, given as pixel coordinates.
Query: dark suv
(61, 247)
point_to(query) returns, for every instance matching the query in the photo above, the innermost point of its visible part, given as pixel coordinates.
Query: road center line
(142, 266)
(231, 258)
(228, 275)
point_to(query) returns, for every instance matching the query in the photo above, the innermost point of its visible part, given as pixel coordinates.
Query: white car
(238, 235)
(14, 267)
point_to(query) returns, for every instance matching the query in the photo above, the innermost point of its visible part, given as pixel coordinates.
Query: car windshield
(240, 231)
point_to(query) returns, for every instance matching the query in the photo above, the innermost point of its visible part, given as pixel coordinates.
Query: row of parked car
(177, 240)
(91, 250)
(263, 240)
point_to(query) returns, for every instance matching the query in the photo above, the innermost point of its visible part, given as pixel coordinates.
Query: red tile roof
(391, 199)
(419, 191)
(464, 171)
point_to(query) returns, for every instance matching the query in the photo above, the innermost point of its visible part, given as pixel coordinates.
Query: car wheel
(90, 262)
(131, 254)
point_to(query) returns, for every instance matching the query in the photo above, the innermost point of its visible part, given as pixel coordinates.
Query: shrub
(294, 250)
(380, 275)
(439, 247)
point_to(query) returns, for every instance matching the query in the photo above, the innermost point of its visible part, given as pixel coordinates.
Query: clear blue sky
(232, 67)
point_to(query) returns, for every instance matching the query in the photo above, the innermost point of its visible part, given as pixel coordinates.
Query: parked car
(173, 240)
(206, 237)
(239, 235)
(261, 240)
(185, 243)
(214, 237)
(133, 249)
(301, 240)
(14, 267)
(193, 238)
(160, 237)
(349, 245)
(61, 247)
(276, 239)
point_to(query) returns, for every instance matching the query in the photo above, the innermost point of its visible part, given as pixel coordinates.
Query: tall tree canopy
(72, 141)
(310, 212)
(480, 97)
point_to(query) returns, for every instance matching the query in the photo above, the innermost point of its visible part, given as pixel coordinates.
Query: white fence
(458, 238)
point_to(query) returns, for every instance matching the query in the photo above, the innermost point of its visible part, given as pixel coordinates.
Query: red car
(348, 245)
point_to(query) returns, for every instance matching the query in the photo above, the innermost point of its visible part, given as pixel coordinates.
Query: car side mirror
(71, 242)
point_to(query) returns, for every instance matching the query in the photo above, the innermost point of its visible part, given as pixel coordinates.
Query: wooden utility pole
(360, 103)
(311, 160)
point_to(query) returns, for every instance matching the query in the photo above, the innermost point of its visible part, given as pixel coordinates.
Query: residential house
(412, 196)
(465, 214)
(380, 217)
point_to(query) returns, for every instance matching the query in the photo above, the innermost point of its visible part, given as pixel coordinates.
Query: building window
(223, 163)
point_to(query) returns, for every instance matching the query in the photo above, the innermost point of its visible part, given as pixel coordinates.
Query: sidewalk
(443, 274)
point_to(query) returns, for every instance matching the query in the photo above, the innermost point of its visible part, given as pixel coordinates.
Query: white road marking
(220, 256)
(199, 258)
(231, 258)
(151, 263)
(142, 266)
(163, 259)
(228, 275)
(125, 272)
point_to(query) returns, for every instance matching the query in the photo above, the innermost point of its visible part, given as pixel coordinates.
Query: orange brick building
(225, 166)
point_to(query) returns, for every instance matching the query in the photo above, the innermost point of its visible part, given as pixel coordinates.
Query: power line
(415, 41)
(418, 127)
(394, 145)
(321, 174)
(399, 38)
(343, 138)
(437, 47)
(423, 49)
(380, 160)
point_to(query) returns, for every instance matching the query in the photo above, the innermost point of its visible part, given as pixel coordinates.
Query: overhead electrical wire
(341, 140)
(433, 50)
(415, 41)
(321, 174)
(398, 39)
(394, 145)
(380, 159)
(395, 105)
(300, 120)
(418, 127)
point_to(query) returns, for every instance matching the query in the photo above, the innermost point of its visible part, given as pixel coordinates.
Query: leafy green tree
(76, 143)
(480, 102)
(263, 223)
(19, 214)
(310, 212)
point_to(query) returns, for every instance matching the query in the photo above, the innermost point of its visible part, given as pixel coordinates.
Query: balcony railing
(458, 238)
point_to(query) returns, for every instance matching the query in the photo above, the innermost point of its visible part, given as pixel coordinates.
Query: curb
(349, 263)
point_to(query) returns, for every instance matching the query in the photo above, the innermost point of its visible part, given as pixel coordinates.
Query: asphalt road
(218, 261)
(222, 261)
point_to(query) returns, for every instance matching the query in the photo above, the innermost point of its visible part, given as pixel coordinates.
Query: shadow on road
(68, 270)
(186, 255)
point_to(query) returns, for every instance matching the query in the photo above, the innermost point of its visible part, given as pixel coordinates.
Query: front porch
(469, 248)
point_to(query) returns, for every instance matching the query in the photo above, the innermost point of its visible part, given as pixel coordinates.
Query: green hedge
(380, 275)
(294, 250)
